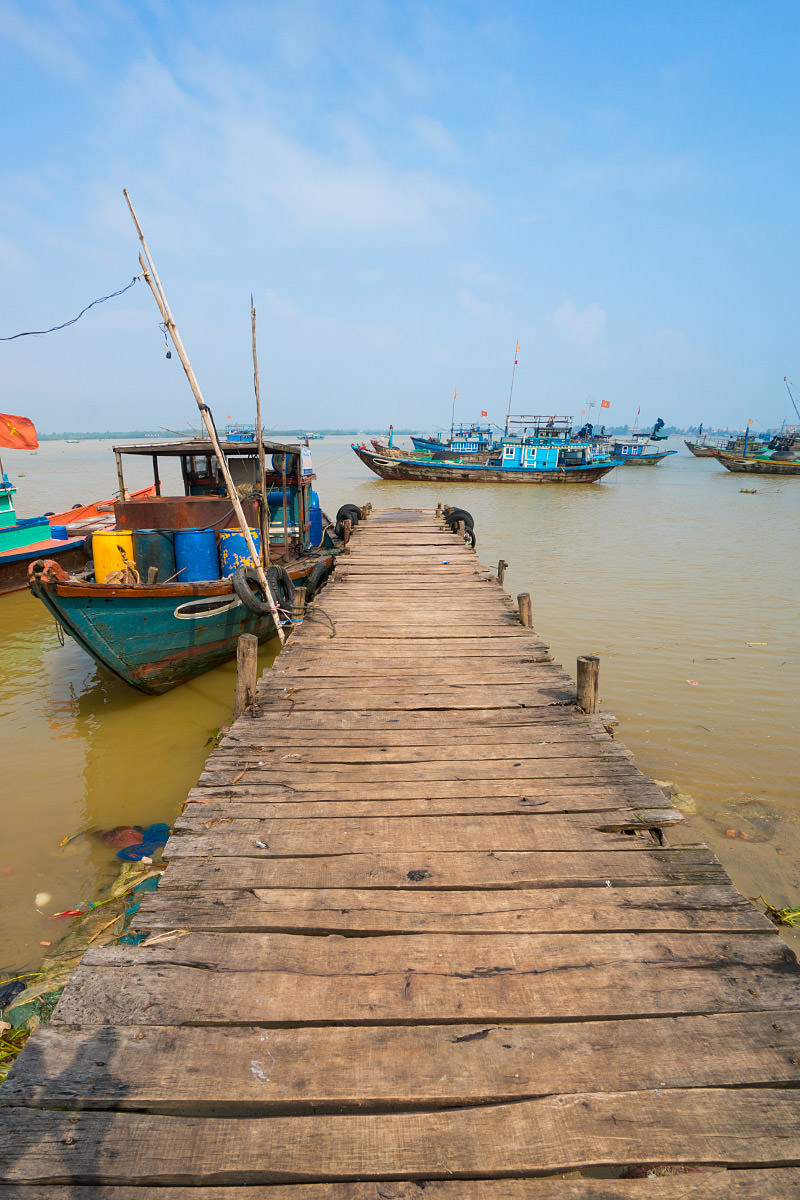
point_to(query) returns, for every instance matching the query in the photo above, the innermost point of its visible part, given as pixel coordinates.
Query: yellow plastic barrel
(233, 550)
(106, 552)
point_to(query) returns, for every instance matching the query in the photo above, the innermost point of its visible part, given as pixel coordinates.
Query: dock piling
(525, 606)
(588, 683)
(246, 672)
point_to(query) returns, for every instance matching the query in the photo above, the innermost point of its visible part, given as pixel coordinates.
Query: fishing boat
(59, 536)
(634, 451)
(531, 452)
(390, 451)
(781, 457)
(463, 439)
(173, 585)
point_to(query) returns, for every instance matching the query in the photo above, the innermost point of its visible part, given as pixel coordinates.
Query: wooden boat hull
(155, 638)
(700, 450)
(71, 555)
(444, 472)
(758, 466)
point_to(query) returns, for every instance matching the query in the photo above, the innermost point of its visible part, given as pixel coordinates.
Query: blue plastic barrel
(233, 550)
(58, 533)
(315, 520)
(196, 557)
(155, 548)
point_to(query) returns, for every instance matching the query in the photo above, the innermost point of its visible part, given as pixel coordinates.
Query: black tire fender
(319, 574)
(454, 515)
(349, 511)
(248, 587)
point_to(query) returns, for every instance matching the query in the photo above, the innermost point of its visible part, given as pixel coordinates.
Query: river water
(685, 585)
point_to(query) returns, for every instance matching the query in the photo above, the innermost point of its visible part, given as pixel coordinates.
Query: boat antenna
(791, 397)
(154, 283)
(453, 414)
(262, 466)
(511, 390)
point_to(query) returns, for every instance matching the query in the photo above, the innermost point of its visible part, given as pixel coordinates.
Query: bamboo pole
(262, 471)
(154, 283)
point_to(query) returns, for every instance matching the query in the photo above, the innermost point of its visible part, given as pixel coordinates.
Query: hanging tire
(454, 515)
(319, 574)
(469, 537)
(249, 589)
(349, 512)
(281, 586)
(87, 545)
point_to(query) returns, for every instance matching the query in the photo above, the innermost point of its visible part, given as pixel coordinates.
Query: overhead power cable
(55, 328)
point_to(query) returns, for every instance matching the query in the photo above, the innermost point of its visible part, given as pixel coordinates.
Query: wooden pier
(422, 935)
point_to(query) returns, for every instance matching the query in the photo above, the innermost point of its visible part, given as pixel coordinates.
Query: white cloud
(475, 307)
(579, 329)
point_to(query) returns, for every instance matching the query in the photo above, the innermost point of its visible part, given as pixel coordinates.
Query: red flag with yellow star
(17, 433)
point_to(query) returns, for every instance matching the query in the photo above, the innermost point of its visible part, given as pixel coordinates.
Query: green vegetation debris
(782, 916)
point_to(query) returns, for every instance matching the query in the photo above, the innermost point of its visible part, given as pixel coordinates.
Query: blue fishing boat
(535, 449)
(635, 451)
(463, 439)
(172, 586)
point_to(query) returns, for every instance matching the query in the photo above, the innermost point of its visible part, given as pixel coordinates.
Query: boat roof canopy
(204, 446)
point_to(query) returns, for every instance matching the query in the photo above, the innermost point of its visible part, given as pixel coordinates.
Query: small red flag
(484, 413)
(638, 411)
(17, 433)
(605, 404)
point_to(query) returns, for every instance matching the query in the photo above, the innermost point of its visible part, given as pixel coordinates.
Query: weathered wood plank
(543, 910)
(782, 1183)
(240, 978)
(165, 1069)
(285, 836)
(592, 746)
(520, 774)
(744, 1127)
(497, 869)
(621, 795)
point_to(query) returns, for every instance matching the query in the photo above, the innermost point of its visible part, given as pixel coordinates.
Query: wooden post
(439, 509)
(246, 672)
(501, 570)
(347, 526)
(461, 528)
(299, 603)
(525, 609)
(588, 683)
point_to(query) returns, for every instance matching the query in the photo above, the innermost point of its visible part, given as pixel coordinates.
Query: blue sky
(406, 189)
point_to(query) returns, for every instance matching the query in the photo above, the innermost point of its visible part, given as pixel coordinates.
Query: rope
(55, 328)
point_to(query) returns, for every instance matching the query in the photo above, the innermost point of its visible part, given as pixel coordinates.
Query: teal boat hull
(154, 638)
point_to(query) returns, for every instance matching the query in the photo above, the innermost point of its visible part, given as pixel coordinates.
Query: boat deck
(422, 935)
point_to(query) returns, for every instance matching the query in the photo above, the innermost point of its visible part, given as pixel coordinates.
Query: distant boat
(529, 456)
(780, 457)
(389, 451)
(463, 439)
(633, 451)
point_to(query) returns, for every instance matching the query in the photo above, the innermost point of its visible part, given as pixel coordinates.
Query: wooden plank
(328, 776)
(509, 753)
(287, 837)
(627, 795)
(242, 978)
(541, 910)
(165, 1069)
(202, 815)
(782, 1183)
(747, 1126)
(497, 869)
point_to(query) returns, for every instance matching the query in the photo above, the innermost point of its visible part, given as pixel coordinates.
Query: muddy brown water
(683, 584)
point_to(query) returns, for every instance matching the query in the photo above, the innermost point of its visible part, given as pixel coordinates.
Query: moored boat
(522, 458)
(390, 451)
(634, 451)
(173, 585)
(780, 457)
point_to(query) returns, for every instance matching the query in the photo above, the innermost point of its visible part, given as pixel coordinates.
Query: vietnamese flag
(605, 404)
(17, 433)
(484, 413)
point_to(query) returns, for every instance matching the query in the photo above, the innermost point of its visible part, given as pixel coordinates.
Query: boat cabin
(293, 522)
